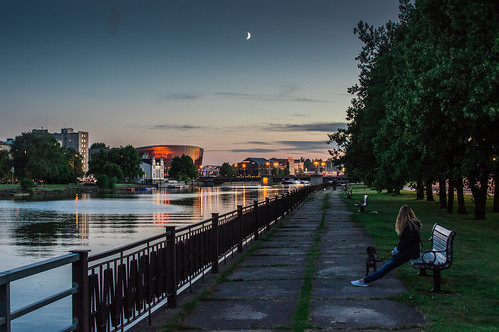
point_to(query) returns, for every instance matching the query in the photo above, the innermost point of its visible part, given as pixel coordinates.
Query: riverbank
(55, 191)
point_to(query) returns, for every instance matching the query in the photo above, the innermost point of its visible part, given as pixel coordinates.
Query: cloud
(180, 96)
(303, 145)
(254, 150)
(264, 97)
(256, 143)
(327, 127)
(173, 127)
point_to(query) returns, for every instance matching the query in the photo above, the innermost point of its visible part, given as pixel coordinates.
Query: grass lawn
(471, 301)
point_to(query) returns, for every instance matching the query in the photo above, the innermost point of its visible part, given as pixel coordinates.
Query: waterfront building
(154, 170)
(77, 141)
(168, 152)
(261, 166)
(252, 167)
(5, 146)
(210, 170)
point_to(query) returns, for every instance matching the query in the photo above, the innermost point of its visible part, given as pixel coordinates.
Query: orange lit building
(168, 152)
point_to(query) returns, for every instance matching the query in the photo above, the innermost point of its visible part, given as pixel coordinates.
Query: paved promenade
(262, 293)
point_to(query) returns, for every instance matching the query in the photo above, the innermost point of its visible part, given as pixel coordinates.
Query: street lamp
(316, 163)
(244, 169)
(276, 170)
(323, 164)
(12, 172)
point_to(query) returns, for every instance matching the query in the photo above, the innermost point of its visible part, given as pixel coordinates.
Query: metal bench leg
(422, 273)
(362, 208)
(436, 282)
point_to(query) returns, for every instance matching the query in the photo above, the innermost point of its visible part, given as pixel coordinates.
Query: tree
(183, 168)
(227, 170)
(39, 156)
(5, 165)
(426, 105)
(98, 145)
(129, 162)
(122, 163)
(74, 160)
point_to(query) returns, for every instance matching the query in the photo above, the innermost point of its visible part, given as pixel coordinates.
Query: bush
(102, 181)
(112, 182)
(27, 184)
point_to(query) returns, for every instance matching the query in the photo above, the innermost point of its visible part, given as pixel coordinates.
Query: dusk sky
(183, 72)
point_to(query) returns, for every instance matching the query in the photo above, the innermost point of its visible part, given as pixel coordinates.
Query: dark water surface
(31, 231)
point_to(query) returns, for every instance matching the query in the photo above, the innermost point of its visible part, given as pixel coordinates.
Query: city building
(210, 170)
(154, 170)
(77, 141)
(5, 146)
(252, 167)
(168, 152)
(261, 166)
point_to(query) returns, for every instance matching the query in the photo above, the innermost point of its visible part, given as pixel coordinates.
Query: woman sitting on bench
(408, 228)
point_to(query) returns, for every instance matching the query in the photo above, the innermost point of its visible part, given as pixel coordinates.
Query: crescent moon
(249, 36)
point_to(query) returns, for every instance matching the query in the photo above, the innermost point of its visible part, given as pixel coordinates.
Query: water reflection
(33, 229)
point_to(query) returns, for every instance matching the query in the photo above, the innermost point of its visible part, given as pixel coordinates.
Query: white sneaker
(358, 283)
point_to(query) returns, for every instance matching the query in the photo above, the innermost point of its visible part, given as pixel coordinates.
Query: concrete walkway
(262, 293)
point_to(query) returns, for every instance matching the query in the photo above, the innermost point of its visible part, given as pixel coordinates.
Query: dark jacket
(408, 246)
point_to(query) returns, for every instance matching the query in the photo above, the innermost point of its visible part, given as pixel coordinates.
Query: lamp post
(323, 164)
(268, 167)
(276, 170)
(244, 169)
(12, 174)
(316, 163)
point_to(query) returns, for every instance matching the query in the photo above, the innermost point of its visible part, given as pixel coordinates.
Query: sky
(163, 72)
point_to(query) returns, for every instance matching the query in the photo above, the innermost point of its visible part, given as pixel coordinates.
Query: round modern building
(168, 152)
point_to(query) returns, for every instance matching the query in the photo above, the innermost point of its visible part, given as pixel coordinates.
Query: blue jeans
(392, 264)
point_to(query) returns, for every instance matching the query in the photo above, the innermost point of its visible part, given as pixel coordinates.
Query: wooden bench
(362, 204)
(439, 257)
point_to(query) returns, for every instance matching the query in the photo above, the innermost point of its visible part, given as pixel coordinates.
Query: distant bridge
(275, 178)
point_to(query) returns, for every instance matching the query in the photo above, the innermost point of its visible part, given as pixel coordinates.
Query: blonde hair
(406, 215)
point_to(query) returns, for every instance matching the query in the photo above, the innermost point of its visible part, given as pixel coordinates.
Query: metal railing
(115, 288)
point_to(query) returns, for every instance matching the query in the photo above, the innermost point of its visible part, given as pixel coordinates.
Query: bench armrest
(430, 256)
(421, 247)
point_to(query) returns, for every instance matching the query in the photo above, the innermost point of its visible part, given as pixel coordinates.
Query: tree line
(425, 109)
(37, 156)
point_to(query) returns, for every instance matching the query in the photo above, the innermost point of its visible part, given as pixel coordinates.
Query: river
(31, 231)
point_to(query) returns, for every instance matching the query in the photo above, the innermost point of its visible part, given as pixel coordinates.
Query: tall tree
(227, 170)
(5, 165)
(122, 163)
(39, 156)
(183, 169)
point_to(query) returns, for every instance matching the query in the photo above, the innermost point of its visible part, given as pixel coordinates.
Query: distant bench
(439, 257)
(348, 191)
(362, 204)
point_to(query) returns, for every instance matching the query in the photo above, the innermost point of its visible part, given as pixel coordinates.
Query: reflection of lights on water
(81, 225)
(161, 218)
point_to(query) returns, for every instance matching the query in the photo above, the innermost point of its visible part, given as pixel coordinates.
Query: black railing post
(277, 207)
(5, 306)
(267, 207)
(216, 243)
(239, 228)
(81, 299)
(255, 207)
(171, 267)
